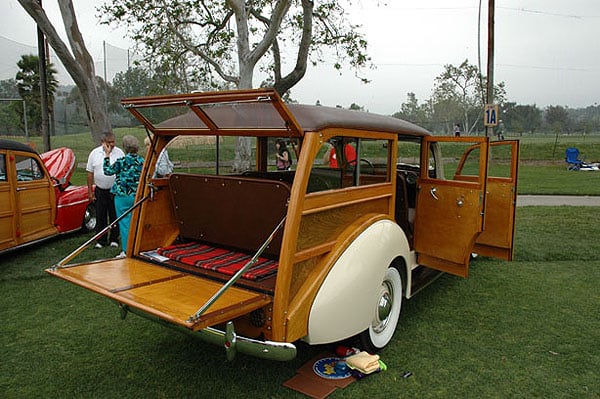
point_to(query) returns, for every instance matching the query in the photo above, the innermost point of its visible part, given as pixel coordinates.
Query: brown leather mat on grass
(308, 382)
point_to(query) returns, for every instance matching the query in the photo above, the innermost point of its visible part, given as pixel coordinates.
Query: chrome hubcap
(89, 219)
(384, 307)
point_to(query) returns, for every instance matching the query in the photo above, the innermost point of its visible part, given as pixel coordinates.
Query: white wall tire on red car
(386, 313)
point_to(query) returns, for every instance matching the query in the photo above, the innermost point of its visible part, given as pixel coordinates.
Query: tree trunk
(243, 145)
(284, 84)
(80, 68)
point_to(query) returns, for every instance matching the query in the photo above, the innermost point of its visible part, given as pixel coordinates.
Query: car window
(500, 161)
(2, 168)
(276, 153)
(28, 168)
(373, 156)
(460, 161)
(409, 159)
(198, 154)
(409, 154)
(349, 161)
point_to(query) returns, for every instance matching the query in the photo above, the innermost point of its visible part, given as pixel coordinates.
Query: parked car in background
(372, 209)
(37, 200)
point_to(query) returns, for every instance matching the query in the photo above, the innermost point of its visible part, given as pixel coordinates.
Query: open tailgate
(169, 294)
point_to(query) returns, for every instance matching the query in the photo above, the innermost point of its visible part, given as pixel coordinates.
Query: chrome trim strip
(73, 203)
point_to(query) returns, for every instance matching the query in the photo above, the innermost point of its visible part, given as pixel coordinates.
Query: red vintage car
(37, 200)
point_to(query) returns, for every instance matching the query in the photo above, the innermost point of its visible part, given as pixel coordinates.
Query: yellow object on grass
(363, 362)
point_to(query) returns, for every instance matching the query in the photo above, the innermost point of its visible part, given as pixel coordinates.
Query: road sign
(490, 115)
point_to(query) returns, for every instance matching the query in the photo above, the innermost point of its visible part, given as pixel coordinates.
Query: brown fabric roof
(308, 117)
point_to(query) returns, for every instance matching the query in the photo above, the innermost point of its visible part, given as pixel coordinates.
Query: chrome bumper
(281, 351)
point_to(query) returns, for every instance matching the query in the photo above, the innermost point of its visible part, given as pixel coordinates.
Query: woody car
(37, 201)
(255, 259)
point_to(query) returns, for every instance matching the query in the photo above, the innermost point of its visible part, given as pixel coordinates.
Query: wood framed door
(35, 199)
(497, 237)
(450, 208)
(7, 204)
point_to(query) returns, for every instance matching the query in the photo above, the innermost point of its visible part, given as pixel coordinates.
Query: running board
(421, 277)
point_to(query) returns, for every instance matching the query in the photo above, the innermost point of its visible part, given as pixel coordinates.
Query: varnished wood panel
(158, 226)
(498, 232)
(7, 217)
(168, 294)
(446, 227)
(325, 224)
(36, 207)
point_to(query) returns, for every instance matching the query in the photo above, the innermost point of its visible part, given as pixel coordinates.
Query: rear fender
(71, 205)
(345, 303)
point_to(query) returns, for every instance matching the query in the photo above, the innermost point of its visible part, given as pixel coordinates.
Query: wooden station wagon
(256, 260)
(37, 201)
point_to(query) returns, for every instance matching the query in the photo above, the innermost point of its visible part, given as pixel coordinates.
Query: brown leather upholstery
(234, 212)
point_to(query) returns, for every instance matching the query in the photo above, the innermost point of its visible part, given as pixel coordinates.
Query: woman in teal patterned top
(127, 171)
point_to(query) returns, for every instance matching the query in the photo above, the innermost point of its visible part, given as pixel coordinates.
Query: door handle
(432, 191)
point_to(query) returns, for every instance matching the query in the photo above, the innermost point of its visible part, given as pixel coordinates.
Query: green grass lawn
(527, 328)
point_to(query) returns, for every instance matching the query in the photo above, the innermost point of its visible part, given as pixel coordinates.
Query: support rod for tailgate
(236, 276)
(81, 248)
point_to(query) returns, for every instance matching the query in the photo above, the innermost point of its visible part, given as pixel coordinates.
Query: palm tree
(28, 84)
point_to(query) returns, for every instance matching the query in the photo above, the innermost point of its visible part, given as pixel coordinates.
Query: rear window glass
(209, 154)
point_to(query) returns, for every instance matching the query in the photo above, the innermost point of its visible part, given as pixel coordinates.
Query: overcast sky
(546, 50)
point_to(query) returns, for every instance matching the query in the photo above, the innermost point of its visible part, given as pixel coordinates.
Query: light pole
(43, 86)
(490, 64)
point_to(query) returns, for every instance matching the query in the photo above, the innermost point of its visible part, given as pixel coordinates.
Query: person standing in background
(283, 158)
(164, 166)
(100, 195)
(457, 130)
(127, 171)
(330, 156)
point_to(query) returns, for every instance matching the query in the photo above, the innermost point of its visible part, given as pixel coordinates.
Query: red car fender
(70, 208)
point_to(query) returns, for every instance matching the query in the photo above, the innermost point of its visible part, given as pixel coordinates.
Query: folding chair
(572, 158)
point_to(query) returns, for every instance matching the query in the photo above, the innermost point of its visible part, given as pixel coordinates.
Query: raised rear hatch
(60, 163)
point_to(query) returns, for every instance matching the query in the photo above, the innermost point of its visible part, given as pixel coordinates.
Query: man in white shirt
(164, 166)
(101, 196)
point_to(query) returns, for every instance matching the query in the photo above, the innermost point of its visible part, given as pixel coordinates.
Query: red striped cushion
(219, 260)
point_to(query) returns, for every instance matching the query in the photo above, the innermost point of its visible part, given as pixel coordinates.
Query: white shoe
(114, 244)
(121, 255)
(98, 245)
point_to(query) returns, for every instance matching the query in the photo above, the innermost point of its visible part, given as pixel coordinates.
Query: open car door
(496, 240)
(450, 208)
